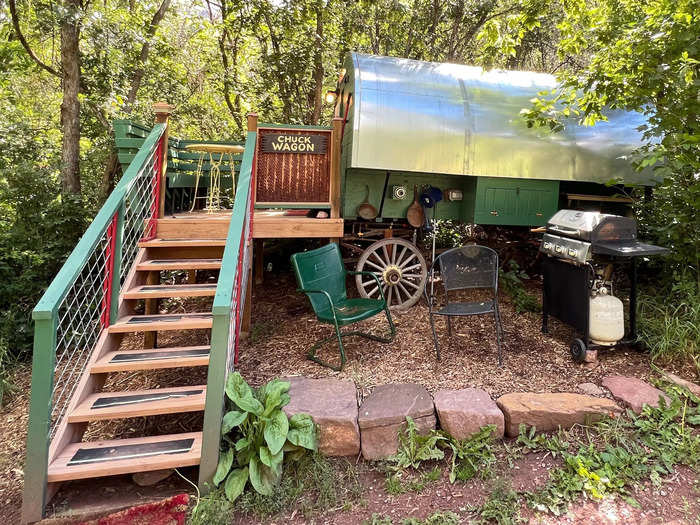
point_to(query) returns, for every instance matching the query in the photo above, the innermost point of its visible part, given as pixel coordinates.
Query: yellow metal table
(216, 155)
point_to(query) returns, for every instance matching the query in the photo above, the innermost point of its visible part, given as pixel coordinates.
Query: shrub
(256, 436)
(511, 282)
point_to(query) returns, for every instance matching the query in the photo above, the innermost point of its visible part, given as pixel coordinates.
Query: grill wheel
(578, 350)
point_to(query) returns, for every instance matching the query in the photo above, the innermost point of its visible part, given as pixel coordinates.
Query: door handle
(538, 214)
(494, 212)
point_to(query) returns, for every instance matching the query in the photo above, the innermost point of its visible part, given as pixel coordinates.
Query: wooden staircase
(69, 460)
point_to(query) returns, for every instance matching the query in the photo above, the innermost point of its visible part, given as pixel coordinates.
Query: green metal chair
(321, 275)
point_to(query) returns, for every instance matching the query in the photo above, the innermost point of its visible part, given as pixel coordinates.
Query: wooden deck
(266, 225)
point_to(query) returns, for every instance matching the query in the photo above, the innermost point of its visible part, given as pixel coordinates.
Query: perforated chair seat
(473, 308)
(349, 311)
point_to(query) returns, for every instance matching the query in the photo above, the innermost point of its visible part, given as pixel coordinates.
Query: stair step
(124, 456)
(156, 291)
(181, 243)
(152, 323)
(137, 403)
(179, 264)
(131, 360)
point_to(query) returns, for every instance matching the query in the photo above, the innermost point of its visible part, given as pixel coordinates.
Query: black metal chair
(463, 268)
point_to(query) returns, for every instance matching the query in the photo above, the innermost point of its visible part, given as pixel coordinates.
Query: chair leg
(435, 339)
(449, 326)
(311, 354)
(497, 322)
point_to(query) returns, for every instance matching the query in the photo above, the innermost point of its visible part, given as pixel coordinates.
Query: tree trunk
(112, 165)
(70, 106)
(317, 92)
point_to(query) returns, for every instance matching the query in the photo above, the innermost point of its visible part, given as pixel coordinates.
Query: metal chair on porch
(465, 268)
(321, 275)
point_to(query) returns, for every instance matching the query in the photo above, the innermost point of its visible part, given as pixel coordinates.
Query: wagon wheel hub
(399, 267)
(392, 275)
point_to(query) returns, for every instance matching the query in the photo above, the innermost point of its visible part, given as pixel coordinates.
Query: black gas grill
(582, 250)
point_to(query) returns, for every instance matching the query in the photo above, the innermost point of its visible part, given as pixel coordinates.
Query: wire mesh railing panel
(138, 210)
(80, 322)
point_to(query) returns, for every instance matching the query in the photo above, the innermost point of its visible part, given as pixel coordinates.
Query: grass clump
(670, 324)
(437, 518)
(402, 482)
(312, 484)
(502, 506)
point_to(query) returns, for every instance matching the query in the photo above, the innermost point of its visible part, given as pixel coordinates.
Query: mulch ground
(284, 327)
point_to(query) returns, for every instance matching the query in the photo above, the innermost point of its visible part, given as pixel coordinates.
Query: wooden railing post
(252, 122)
(334, 197)
(163, 111)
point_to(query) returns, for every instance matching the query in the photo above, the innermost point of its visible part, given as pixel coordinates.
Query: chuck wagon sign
(293, 167)
(316, 143)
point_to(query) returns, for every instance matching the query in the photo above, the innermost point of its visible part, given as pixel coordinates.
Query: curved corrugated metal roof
(410, 115)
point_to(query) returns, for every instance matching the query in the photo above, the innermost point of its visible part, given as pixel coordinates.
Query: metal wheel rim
(389, 259)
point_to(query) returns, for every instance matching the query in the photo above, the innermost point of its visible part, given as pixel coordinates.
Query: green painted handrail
(221, 310)
(46, 320)
(57, 290)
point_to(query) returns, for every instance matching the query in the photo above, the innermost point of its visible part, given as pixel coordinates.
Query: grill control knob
(558, 249)
(572, 252)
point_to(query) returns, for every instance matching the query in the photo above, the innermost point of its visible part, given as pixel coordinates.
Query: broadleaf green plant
(257, 436)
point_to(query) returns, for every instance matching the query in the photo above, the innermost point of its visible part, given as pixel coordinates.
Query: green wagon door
(515, 202)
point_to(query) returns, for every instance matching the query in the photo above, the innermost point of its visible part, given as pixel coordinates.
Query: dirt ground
(676, 502)
(283, 329)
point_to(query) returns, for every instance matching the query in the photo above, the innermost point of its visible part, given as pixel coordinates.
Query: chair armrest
(328, 297)
(379, 284)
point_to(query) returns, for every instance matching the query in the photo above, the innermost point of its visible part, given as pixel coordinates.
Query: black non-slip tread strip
(137, 450)
(148, 356)
(111, 401)
(165, 318)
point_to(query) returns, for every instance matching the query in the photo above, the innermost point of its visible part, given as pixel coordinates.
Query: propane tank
(607, 319)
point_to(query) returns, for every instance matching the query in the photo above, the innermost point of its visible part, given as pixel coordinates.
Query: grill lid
(577, 235)
(592, 226)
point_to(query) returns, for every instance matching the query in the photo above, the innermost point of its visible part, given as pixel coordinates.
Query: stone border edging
(347, 428)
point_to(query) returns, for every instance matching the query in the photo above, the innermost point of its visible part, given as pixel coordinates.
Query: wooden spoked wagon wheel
(401, 269)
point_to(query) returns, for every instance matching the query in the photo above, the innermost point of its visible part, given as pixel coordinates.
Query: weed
(414, 448)
(502, 506)
(532, 441)
(511, 282)
(213, 508)
(378, 519)
(401, 482)
(619, 454)
(473, 455)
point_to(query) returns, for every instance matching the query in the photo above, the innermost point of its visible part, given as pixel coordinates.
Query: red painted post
(109, 272)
